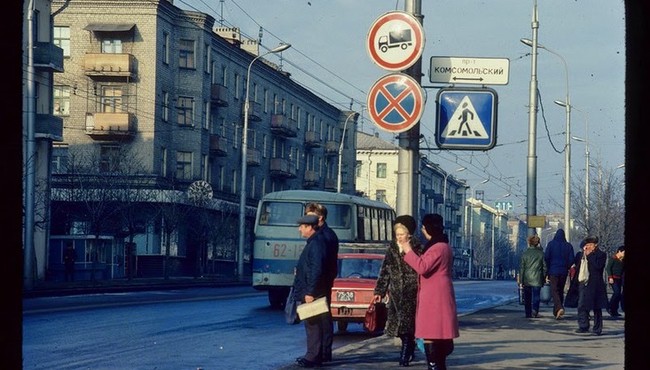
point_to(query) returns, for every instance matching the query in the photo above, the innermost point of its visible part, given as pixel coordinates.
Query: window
(205, 120)
(109, 158)
(61, 100)
(61, 38)
(381, 170)
(224, 75)
(186, 54)
(111, 46)
(266, 101)
(380, 195)
(59, 158)
(165, 106)
(357, 168)
(204, 167)
(185, 110)
(165, 48)
(237, 85)
(163, 161)
(184, 165)
(206, 59)
(111, 99)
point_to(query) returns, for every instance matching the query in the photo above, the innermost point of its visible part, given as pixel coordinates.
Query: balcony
(431, 194)
(218, 145)
(331, 147)
(110, 65)
(254, 111)
(48, 126)
(219, 95)
(282, 168)
(311, 179)
(253, 157)
(283, 126)
(331, 184)
(48, 56)
(110, 126)
(312, 140)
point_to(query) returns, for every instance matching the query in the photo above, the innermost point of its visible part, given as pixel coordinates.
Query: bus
(361, 225)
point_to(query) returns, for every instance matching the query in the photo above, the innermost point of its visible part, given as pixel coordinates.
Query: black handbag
(290, 314)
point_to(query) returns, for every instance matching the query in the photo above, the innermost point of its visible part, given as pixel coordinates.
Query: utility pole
(408, 158)
(29, 157)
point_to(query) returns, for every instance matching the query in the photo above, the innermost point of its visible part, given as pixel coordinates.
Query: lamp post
(531, 175)
(471, 228)
(494, 216)
(567, 149)
(586, 141)
(345, 126)
(444, 187)
(242, 192)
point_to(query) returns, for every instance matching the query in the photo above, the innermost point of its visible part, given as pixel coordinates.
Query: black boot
(404, 356)
(436, 357)
(411, 349)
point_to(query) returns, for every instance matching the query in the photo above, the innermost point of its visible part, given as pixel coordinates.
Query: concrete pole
(531, 176)
(408, 157)
(29, 157)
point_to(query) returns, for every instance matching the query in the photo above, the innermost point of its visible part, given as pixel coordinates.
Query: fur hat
(407, 221)
(433, 223)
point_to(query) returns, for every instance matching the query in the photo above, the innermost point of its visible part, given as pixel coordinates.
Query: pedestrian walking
(532, 275)
(592, 295)
(310, 283)
(615, 270)
(69, 259)
(331, 260)
(559, 258)
(436, 320)
(399, 282)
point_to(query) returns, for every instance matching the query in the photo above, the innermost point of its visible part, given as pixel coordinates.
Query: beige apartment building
(146, 179)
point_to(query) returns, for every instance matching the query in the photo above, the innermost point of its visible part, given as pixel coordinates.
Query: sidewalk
(502, 338)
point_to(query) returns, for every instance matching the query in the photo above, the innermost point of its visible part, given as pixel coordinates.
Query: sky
(328, 56)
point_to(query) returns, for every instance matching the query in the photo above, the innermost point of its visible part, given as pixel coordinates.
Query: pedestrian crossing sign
(466, 118)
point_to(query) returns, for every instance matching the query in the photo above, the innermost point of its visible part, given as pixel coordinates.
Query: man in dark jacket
(559, 258)
(311, 282)
(615, 270)
(331, 241)
(593, 293)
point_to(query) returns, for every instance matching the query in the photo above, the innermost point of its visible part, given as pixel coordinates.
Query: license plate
(344, 311)
(343, 296)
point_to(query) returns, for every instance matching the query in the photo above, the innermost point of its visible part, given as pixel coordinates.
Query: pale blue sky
(328, 56)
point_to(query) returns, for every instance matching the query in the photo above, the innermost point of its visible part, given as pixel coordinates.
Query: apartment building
(147, 177)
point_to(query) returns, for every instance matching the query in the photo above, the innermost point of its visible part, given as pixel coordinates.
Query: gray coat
(400, 282)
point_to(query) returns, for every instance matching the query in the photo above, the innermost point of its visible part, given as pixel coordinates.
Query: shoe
(303, 362)
(614, 314)
(529, 316)
(581, 331)
(596, 333)
(559, 314)
(535, 314)
(327, 358)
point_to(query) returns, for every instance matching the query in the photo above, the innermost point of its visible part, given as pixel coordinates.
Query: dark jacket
(593, 292)
(400, 282)
(614, 268)
(311, 271)
(332, 254)
(559, 255)
(532, 269)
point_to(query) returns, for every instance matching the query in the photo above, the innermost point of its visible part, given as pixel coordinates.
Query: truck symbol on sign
(401, 38)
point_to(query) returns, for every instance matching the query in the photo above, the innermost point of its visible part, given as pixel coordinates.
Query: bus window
(367, 224)
(338, 215)
(281, 213)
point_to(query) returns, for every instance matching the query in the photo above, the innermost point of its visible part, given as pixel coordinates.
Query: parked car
(354, 286)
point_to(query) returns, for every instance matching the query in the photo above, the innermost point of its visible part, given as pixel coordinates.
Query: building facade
(147, 179)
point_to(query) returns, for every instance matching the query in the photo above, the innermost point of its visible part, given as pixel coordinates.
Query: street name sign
(467, 70)
(395, 41)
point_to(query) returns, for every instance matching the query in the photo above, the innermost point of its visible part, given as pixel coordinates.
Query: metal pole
(345, 125)
(30, 157)
(244, 149)
(587, 173)
(531, 176)
(408, 158)
(471, 228)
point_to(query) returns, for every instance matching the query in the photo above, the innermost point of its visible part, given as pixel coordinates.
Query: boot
(411, 349)
(435, 358)
(404, 356)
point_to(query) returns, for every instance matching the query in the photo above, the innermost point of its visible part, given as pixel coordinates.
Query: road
(207, 328)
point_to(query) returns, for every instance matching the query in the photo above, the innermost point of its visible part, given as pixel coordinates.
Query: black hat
(308, 220)
(408, 222)
(433, 223)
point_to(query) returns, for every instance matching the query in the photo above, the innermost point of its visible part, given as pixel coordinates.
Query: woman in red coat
(436, 320)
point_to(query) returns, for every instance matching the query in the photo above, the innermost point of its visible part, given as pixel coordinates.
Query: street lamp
(444, 187)
(567, 150)
(471, 228)
(242, 192)
(531, 175)
(494, 216)
(345, 126)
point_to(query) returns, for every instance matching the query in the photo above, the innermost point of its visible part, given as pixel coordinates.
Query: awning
(107, 27)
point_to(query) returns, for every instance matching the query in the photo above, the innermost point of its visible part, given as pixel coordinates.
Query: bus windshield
(279, 213)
